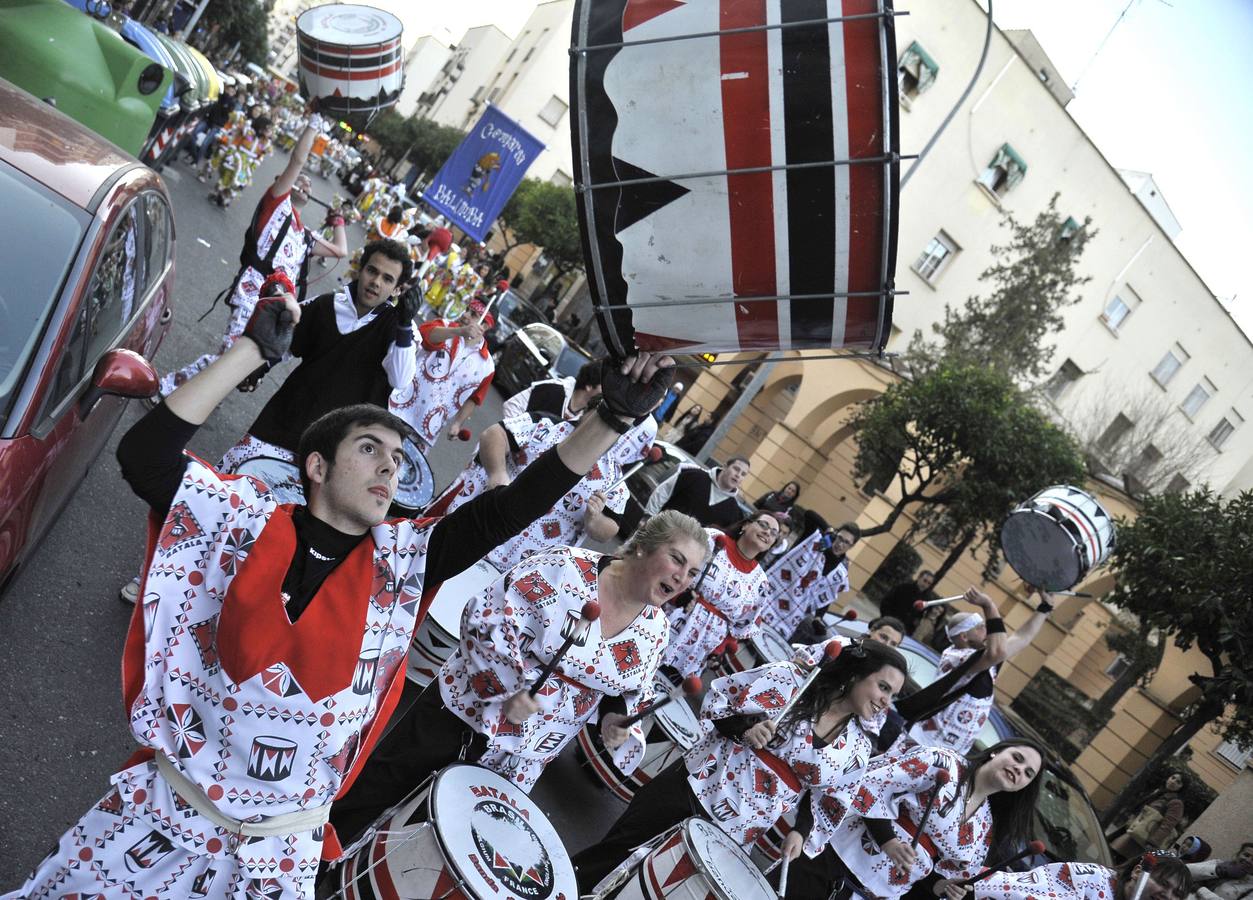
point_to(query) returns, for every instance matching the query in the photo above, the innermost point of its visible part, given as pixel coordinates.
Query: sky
(1168, 93)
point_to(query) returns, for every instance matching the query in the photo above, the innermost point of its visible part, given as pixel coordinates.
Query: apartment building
(450, 97)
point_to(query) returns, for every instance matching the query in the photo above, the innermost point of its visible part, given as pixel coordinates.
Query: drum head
(491, 831)
(676, 718)
(348, 25)
(415, 484)
(454, 594)
(280, 476)
(1041, 550)
(771, 645)
(730, 871)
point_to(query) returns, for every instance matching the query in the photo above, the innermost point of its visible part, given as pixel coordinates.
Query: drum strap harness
(713, 609)
(288, 823)
(780, 768)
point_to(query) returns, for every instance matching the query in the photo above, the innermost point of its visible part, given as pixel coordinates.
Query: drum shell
(757, 651)
(676, 871)
(437, 637)
(1057, 537)
(361, 69)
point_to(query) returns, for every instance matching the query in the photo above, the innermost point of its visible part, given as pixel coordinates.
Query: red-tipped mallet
(829, 652)
(653, 455)
(691, 687)
(1147, 862)
(574, 630)
(464, 434)
(1034, 848)
(849, 615)
(941, 779)
(920, 605)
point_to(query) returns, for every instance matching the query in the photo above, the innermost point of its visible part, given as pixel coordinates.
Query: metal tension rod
(705, 301)
(749, 170)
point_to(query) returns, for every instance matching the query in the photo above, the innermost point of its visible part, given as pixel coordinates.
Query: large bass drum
(1057, 537)
(697, 861)
(440, 631)
(469, 835)
(351, 58)
(737, 167)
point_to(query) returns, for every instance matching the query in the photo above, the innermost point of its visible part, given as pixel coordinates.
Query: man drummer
(952, 710)
(268, 650)
(710, 498)
(810, 577)
(564, 398)
(276, 240)
(453, 372)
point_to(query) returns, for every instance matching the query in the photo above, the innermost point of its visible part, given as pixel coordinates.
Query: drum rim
(421, 463)
(762, 629)
(242, 471)
(698, 862)
(400, 26)
(663, 720)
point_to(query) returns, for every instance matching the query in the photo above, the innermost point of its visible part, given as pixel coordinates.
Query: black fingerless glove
(624, 397)
(271, 328)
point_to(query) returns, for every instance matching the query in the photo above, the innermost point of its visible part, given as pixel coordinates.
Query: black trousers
(424, 740)
(656, 807)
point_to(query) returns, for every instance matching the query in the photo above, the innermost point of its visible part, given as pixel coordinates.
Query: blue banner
(481, 175)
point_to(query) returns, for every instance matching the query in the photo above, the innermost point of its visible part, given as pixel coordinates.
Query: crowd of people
(265, 656)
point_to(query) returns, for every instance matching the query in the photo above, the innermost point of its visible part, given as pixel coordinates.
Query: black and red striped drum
(766, 646)
(737, 167)
(351, 58)
(696, 861)
(668, 733)
(1054, 539)
(437, 636)
(468, 835)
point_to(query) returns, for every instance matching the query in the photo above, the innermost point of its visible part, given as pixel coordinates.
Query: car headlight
(150, 78)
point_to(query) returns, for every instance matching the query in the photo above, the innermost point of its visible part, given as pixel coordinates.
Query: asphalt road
(62, 725)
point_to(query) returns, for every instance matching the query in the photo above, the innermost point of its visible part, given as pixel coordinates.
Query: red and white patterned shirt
(958, 724)
(1057, 881)
(798, 587)
(447, 376)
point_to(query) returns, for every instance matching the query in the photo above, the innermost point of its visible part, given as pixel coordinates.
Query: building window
(1230, 752)
(1004, 172)
(915, 73)
(1057, 386)
(1177, 485)
(1119, 307)
(1116, 669)
(1116, 431)
(553, 110)
(1170, 364)
(1224, 428)
(1197, 397)
(1069, 228)
(936, 257)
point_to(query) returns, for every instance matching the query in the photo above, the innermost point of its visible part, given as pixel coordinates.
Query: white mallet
(920, 605)
(574, 630)
(653, 455)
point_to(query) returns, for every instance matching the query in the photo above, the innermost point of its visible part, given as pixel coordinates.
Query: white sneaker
(129, 593)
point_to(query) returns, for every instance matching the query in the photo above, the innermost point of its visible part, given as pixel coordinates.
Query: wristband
(996, 626)
(603, 412)
(1044, 607)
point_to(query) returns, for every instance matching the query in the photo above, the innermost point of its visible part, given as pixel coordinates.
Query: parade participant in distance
(479, 706)
(726, 597)
(276, 240)
(1168, 880)
(976, 804)
(268, 650)
(563, 398)
(453, 372)
(899, 601)
(249, 144)
(505, 449)
(951, 711)
(810, 577)
(710, 498)
(748, 769)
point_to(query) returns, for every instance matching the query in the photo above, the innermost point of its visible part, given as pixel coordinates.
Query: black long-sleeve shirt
(152, 459)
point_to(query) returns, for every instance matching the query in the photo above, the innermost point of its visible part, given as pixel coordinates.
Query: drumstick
(941, 779)
(1147, 863)
(486, 309)
(920, 605)
(787, 860)
(653, 455)
(1032, 848)
(829, 652)
(691, 687)
(574, 629)
(849, 615)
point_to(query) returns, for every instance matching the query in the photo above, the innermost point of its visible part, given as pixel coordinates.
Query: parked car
(1065, 820)
(534, 353)
(511, 312)
(88, 279)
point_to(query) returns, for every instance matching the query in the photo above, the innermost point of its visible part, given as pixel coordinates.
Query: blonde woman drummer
(726, 599)
(751, 767)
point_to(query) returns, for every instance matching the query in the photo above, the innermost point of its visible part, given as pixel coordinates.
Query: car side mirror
(121, 373)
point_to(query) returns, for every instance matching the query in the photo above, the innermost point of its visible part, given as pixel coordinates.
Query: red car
(86, 277)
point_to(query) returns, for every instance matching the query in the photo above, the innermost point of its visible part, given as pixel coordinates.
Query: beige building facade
(451, 97)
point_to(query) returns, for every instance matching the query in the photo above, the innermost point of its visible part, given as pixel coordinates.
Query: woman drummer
(1168, 879)
(727, 597)
(749, 768)
(978, 803)
(479, 707)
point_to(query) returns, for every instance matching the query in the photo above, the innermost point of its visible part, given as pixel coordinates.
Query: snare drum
(441, 629)
(351, 58)
(668, 733)
(281, 477)
(697, 861)
(766, 646)
(415, 484)
(1057, 537)
(466, 836)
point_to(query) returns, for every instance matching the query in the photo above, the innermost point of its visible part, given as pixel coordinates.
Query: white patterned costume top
(957, 725)
(798, 587)
(448, 375)
(1057, 881)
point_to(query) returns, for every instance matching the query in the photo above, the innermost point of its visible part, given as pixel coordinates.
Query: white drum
(415, 484)
(668, 733)
(698, 861)
(1057, 537)
(470, 835)
(281, 477)
(351, 58)
(766, 646)
(441, 629)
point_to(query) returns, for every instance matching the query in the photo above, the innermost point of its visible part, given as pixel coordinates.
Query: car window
(118, 282)
(156, 235)
(1067, 823)
(570, 361)
(547, 340)
(34, 258)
